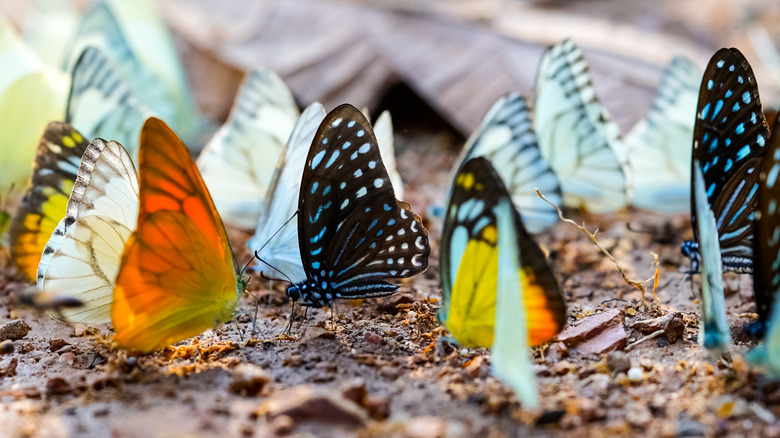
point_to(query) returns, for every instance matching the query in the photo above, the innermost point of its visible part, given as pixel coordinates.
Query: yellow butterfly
(498, 289)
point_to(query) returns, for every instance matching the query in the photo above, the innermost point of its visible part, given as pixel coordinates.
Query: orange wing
(178, 277)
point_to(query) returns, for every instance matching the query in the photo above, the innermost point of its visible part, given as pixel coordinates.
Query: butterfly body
(353, 232)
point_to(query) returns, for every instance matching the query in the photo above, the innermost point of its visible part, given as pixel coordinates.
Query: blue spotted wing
(728, 141)
(352, 231)
(766, 277)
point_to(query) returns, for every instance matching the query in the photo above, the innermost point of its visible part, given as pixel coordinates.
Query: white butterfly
(659, 146)
(238, 163)
(134, 39)
(277, 237)
(383, 130)
(100, 103)
(83, 255)
(577, 135)
(506, 138)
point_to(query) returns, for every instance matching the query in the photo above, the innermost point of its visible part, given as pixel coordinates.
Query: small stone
(14, 330)
(57, 386)
(295, 361)
(673, 325)
(355, 391)
(67, 358)
(638, 415)
(564, 367)
(389, 372)
(372, 338)
(618, 361)
(10, 369)
(646, 364)
(248, 380)
(635, 375)
(378, 408)
(56, 344)
(622, 380)
(600, 333)
(556, 352)
(589, 410)
(476, 367)
(307, 403)
(426, 427)
(7, 347)
(282, 425)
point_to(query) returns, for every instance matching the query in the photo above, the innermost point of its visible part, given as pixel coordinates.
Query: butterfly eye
(293, 293)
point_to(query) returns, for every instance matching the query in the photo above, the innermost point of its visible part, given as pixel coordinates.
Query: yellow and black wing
(469, 264)
(56, 165)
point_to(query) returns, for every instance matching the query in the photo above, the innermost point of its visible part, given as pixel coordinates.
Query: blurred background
(438, 65)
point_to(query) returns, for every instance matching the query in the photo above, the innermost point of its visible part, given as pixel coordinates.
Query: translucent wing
(277, 237)
(383, 129)
(352, 230)
(31, 95)
(510, 357)
(658, 146)
(101, 27)
(102, 105)
(576, 135)
(237, 164)
(714, 334)
(177, 276)
(82, 257)
(469, 261)
(729, 139)
(46, 197)
(506, 138)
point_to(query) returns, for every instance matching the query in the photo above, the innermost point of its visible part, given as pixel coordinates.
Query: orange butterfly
(178, 275)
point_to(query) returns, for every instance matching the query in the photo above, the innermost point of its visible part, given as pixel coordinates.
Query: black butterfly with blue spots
(352, 231)
(728, 141)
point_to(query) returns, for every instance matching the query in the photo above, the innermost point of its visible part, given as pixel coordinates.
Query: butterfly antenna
(275, 233)
(257, 256)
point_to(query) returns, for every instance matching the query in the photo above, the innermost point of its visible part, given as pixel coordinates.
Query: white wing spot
(361, 133)
(391, 249)
(344, 204)
(378, 182)
(418, 243)
(351, 124)
(358, 173)
(337, 122)
(416, 262)
(361, 192)
(401, 232)
(405, 246)
(371, 164)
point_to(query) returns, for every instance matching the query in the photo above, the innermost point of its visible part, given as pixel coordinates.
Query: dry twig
(640, 285)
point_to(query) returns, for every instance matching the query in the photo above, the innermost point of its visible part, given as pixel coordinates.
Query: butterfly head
(690, 249)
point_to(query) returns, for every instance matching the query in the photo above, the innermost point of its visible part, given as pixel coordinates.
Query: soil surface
(378, 368)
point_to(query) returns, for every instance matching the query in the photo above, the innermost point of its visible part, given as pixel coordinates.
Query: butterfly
(82, 257)
(498, 289)
(576, 134)
(729, 139)
(237, 164)
(352, 230)
(133, 37)
(658, 145)
(506, 138)
(178, 275)
(276, 240)
(766, 275)
(765, 245)
(101, 104)
(45, 200)
(714, 334)
(31, 95)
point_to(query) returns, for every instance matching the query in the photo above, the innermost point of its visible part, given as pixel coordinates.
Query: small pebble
(67, 358)
(14, 330)
(635, 374)
(282, 425)
(7, 347)
(56, 344)
(372, 338)
(389, 372)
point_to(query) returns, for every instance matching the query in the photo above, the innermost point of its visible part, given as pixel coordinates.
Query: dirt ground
(376, 368)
